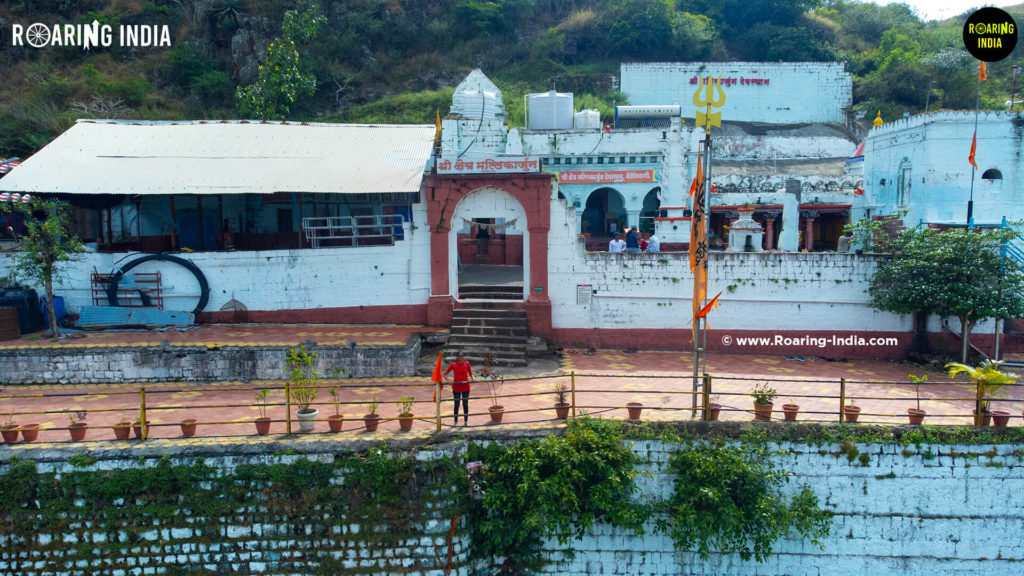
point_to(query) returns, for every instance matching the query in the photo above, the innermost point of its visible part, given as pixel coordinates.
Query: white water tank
(550, 111)
(587, 120)
(476, 104)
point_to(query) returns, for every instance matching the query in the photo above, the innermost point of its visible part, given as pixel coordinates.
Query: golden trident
(707, 119)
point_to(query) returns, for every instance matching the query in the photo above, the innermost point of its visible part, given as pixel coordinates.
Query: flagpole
(974, 163)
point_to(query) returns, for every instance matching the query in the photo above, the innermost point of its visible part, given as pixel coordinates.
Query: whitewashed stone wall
(915, 510)
(760, 291)
(813, 92)
(275, 279)
(927, 155)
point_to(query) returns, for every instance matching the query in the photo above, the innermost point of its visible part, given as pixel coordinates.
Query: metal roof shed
(226, 157)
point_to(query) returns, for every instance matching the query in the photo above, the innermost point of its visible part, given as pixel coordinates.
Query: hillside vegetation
(398, 60)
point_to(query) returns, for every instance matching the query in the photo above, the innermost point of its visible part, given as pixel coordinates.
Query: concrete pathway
(605, 381)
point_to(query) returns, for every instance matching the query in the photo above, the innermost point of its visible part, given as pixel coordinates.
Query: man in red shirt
(463, 375)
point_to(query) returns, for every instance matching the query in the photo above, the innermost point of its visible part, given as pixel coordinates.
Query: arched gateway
(454, 200)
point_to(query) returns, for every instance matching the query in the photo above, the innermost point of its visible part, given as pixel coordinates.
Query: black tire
(204, 286)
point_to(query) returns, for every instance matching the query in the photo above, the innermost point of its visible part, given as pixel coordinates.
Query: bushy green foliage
(728, 499)
(958, 273)
(282, 79)
(555, 487)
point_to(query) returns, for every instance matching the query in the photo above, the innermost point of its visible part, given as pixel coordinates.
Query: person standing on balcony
(461, 377)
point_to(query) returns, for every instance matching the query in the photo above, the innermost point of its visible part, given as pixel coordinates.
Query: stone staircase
(488, 292)
(497, 328)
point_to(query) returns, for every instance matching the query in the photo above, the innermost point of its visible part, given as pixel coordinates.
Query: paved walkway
(605, 381)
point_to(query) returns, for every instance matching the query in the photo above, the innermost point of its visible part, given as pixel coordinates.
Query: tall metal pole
(970, 201)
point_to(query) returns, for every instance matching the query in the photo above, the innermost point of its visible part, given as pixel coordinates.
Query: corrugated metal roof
(227, 157)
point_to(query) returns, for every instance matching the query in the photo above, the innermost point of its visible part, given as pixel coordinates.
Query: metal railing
(351, 230)
(669, 396)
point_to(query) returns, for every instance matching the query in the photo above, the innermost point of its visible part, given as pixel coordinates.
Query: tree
(960, 273)
(281, 79)
(46, 243)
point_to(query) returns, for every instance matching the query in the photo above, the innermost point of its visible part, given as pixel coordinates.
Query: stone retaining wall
(947, 509)
(195, 363)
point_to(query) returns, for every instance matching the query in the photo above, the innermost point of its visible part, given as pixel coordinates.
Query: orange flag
(707, 309)
(438, 377)
(698, 242)
(982, 71)
(974, 148)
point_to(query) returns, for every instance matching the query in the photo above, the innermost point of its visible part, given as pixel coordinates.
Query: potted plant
(371, 420)
(790, 410)
(405, 413)
(916, 415)
(137, 428)
(302, 386)
(262, 423)
(561, 406)
(123, 427)
(989, 377)
(9, 429)
(851, 412)
(77, 426)
(188, 427)
(764, 401)
(29, 432)
(714, 408)
(495, 383)
(634, 409)
(335, 420)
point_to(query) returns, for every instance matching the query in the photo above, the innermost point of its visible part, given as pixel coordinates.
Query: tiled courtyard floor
(605, 381)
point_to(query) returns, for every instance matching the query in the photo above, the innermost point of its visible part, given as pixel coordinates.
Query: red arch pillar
(533, 192)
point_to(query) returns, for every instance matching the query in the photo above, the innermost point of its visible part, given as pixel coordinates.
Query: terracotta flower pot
(10, 434)
(121, 431)
(371, 421)
(78, 431)
(137, 429)
(188, 427)
(634, 409)
(916, 416)
(30, 432)
(851, 413)
(562, 410)
(335, 421)
(405, 422)
(497, 413)
(790, 411)
(763, 412)
(986, 417)
(1000, 418)
(713, 411)
(263, 426)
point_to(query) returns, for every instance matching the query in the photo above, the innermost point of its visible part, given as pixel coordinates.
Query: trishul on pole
(700, 231)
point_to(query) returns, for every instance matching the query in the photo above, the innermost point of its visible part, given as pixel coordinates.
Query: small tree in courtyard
(960, 273)
(45, 245)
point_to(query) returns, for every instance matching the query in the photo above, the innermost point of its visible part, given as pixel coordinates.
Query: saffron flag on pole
(703, 312)
(698, 242)
(437, 377)
(982, 71)
(974, 148)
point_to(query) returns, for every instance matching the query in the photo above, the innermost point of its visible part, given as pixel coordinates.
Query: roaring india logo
(88, 36)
